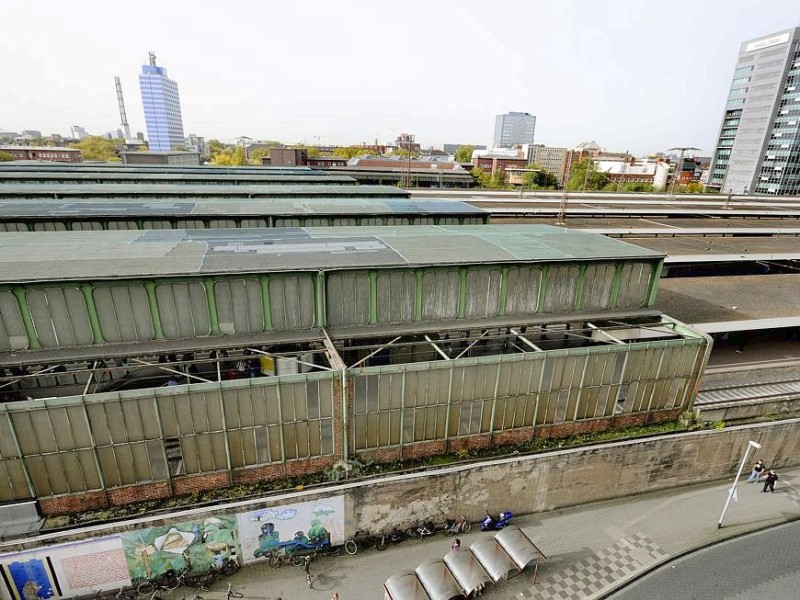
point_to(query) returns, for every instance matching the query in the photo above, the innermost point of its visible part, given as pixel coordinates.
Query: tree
(464, 154)
(98, 148)
(353, 151)
(584, 175)
(481, 177)
(5, 157)
(406, 153)
(540, 179)
(498, 180)
(237, 157)
(215, 146)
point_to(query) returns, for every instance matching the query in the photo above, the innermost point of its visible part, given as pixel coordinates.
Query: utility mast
(123, 117)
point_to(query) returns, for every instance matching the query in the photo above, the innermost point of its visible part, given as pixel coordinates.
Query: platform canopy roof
(87, 209)
(71, 255)
(108, 191)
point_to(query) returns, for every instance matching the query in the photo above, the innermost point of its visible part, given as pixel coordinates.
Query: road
(760, 565)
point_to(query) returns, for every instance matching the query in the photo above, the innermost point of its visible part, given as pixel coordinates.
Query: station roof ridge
(87, 208)
(132, 254)
(11, 190)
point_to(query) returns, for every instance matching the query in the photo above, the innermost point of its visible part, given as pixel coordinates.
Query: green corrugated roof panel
(67, 255)
(108, 191)
(82, 208)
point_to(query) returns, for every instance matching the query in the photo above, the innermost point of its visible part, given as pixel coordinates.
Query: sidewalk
(591, 549)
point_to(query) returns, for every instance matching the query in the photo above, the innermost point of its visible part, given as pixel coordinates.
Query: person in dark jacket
(769, 482)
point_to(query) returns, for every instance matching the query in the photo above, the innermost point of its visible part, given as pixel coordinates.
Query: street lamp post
(732, 491)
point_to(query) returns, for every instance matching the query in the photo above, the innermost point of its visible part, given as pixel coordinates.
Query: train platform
(592, 550)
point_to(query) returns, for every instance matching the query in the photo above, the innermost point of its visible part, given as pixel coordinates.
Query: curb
(659, 564)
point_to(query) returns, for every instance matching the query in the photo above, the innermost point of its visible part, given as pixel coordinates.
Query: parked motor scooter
(491, 523)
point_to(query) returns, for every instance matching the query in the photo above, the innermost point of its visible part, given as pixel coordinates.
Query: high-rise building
(513, 128)
(758, 147)
(162, 108)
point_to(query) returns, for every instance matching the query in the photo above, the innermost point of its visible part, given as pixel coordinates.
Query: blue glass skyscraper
(162, 108)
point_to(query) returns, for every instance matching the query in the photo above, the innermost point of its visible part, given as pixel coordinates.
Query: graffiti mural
(197, 545)
(292, 528)
(30, 580)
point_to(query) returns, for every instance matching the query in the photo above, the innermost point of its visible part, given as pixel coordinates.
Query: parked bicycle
(231, 594)
(350, 546)
(458, 525)
(278, 558)
(364, 541)
(153, 584)
(422, 530)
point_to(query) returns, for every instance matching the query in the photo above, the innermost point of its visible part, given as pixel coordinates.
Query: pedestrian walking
(335, 596)
(772, 477)
(758, 468)
(456, 545)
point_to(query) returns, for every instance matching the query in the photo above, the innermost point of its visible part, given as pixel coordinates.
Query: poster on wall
(30, 579)
(64, 570)
(198, 545)
(291, 528)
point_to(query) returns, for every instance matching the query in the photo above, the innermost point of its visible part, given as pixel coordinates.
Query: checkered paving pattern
(791, 492)
(598, 572)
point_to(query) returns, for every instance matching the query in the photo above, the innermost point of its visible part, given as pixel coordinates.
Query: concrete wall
(524, 484)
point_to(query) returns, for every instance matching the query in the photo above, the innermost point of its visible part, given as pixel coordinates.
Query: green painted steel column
(501, 308)
(94, 444)
(656, 275)
(418, 295)
(615, 287)
(321, 307)
(373, 297)
(157, 413)
(280, 429)
(449, 404)
(225, 427)
(492, 427)
(265, 300)
(208, 283)
(150, 288)
(18, 448)
(543, 289)
(462, 292)
(27, 319)
(91, 309)
(576, 305)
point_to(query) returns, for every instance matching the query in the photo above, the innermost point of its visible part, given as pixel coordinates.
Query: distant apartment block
(551, 159)
(161, 158)
(44, 153)
(491, 161)
(514, 128)
(757, 149)
(76, 132)
(196, 143)
(162, 108)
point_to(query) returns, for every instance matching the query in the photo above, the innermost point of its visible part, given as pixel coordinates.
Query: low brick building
(44, 153)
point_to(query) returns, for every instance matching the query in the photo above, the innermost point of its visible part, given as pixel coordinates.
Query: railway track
(760, 391)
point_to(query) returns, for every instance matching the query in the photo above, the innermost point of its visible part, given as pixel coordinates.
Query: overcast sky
(633, 75)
